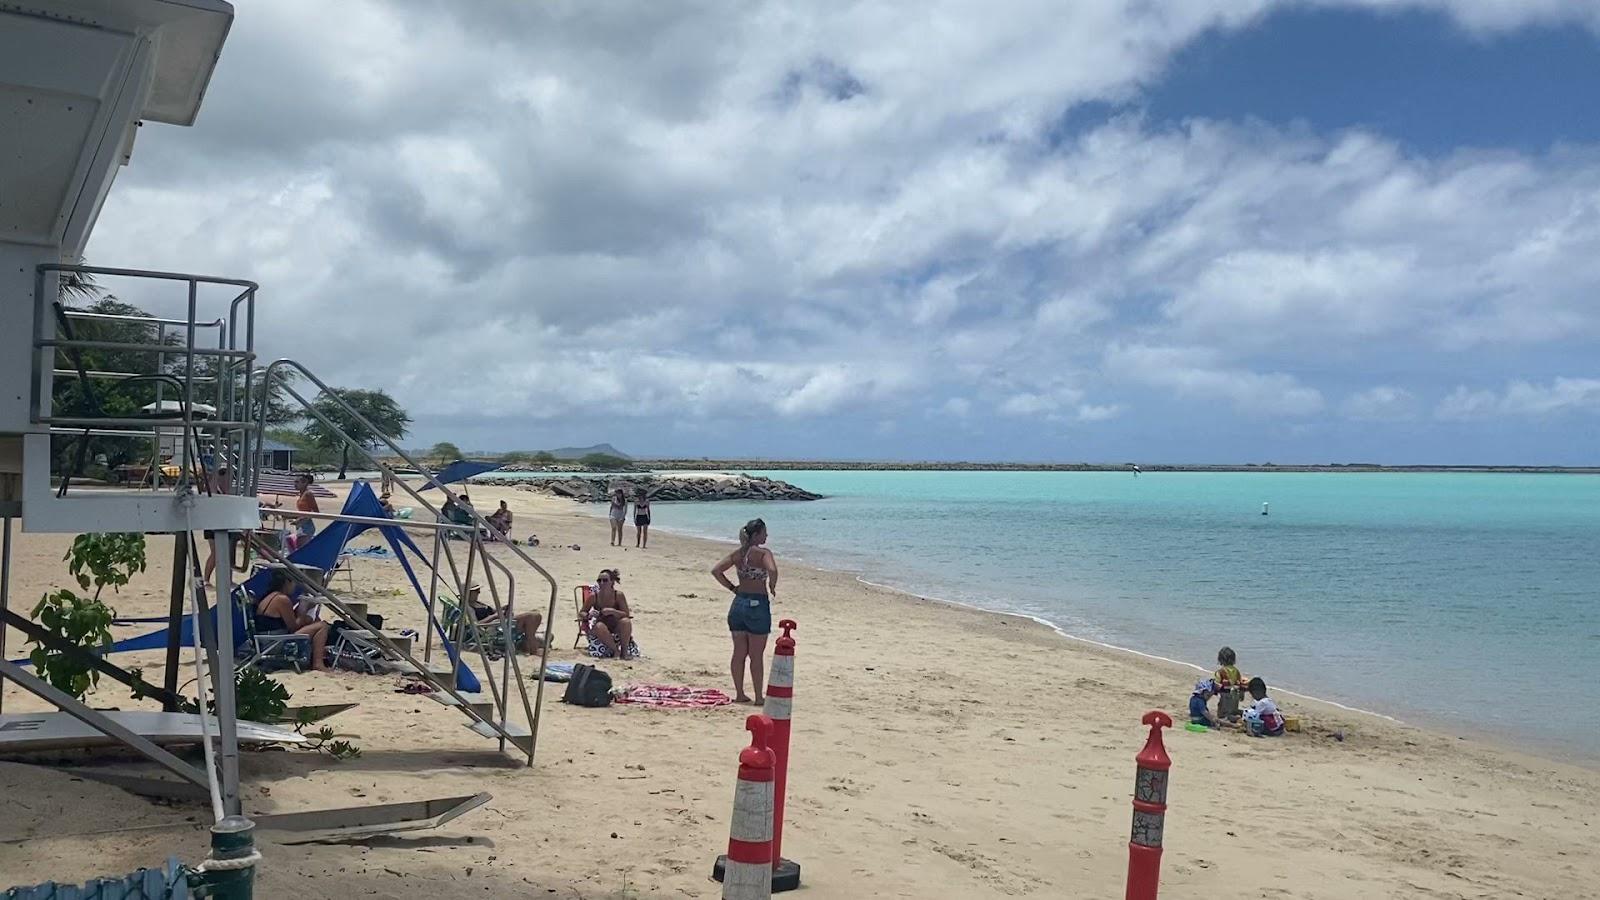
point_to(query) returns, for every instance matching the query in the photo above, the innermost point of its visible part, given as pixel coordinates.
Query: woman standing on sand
(618, 514)
(641, 520)
(750, 617)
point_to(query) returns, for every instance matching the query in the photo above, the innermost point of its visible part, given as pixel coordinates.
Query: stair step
(402, 642)
(480, 704)
(356, 608)
(520, 736)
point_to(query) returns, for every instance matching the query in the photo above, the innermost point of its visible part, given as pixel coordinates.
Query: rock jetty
(595, 489)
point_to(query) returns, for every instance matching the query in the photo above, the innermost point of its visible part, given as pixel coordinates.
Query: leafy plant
(257, 697)
(84, 622)
(323, 740)
(105, 560)
(100, 561)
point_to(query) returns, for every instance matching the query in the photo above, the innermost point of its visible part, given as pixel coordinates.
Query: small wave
(1116, 647)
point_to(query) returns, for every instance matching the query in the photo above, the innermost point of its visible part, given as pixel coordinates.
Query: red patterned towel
(673, 696)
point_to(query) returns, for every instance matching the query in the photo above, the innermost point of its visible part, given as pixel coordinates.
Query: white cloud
(674, 211)
(1089, 412)
(1522, 399)
(1194, 373)
(1384, 403)
(1026, 404)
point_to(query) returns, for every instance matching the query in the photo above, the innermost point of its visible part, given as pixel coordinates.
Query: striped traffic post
(779, 705)
(1149, 811)
(746, 871)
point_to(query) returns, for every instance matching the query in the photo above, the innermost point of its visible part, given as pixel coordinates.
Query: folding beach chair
(355, 649)
(490, 634)
(580, 596)
(345, 565)
(269, 650)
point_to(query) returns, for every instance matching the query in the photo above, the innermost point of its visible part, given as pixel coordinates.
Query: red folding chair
(580, 596)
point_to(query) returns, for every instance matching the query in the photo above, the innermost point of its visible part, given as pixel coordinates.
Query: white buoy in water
(1263, 509)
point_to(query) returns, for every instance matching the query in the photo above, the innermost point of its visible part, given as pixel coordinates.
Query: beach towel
(374, 552)
(558, 672)
(597, 649)
(673, 696)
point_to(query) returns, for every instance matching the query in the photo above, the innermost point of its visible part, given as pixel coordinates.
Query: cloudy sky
(1104, 230)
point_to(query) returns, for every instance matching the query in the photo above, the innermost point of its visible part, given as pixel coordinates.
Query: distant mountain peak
(580, 452)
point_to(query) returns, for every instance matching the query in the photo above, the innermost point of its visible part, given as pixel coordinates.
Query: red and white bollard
(1149, 811)
(746, 872)
(779, 705)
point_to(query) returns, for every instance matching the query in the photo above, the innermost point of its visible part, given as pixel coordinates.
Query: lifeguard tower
(78, 79)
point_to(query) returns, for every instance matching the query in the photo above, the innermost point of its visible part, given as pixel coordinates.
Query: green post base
(231, 839)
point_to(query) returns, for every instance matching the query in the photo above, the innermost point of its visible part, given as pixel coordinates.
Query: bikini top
(749, 572)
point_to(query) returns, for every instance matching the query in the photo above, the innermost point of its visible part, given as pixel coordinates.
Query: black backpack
(589, 687)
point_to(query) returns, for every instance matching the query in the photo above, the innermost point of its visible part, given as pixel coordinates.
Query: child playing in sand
(1262, 718)
(1198, 713)
(1229, 685)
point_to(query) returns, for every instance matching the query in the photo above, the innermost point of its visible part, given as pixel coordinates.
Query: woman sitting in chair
(276, 614)
(610, 620)
(527, 624)
(501, 520)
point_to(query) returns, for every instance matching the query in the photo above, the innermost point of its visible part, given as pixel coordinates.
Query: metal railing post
(5, 593)
(226, 712)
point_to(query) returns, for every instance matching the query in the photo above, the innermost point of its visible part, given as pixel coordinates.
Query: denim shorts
(751, 613)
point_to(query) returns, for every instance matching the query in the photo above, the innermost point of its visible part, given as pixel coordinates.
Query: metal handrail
(147, 273)
(121, 345)
(233, 426)
(142, 320)
(478, 518)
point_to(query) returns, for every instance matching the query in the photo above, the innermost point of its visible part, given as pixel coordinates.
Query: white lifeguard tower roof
(189, 33)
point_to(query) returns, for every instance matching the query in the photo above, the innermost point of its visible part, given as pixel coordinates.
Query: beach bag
(589, 687)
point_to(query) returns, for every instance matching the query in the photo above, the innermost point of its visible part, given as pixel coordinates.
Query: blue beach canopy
(461, 470)
(321, 552)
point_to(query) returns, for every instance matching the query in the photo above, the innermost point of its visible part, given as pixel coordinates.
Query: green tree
(377, 407)
(72, 396)
(603, 462)
(444, 452)
(544, 457)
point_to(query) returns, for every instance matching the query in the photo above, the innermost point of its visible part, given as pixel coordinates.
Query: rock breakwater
(595, 489)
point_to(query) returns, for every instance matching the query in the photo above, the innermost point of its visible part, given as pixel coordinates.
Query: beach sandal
(416, 687)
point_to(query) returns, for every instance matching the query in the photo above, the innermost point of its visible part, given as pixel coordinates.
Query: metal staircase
(488, 717)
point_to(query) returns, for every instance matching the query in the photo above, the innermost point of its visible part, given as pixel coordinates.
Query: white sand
(939, 752)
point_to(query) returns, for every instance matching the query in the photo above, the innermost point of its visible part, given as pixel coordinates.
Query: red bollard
(746, 871)
(1149, 811)
(779, 705)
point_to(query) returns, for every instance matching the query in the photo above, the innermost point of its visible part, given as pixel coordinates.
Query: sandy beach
(939, 752)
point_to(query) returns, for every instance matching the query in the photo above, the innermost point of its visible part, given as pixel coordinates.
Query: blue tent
(461, 470)
(321, 552)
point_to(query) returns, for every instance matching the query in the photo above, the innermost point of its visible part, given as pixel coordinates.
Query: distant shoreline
(671, 465)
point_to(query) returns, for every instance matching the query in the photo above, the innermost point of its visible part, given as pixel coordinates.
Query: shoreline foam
(1437, 723)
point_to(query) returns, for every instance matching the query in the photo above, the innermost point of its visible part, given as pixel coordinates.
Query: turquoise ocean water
(1470, 602)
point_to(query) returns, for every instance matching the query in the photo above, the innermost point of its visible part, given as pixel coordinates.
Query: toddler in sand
(1198, 713)
(1229, 685)
(1262, 718)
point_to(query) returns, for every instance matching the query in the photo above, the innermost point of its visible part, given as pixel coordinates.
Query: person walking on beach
(618, 515)
(750, 617)
(305, 528)
(641, 520)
